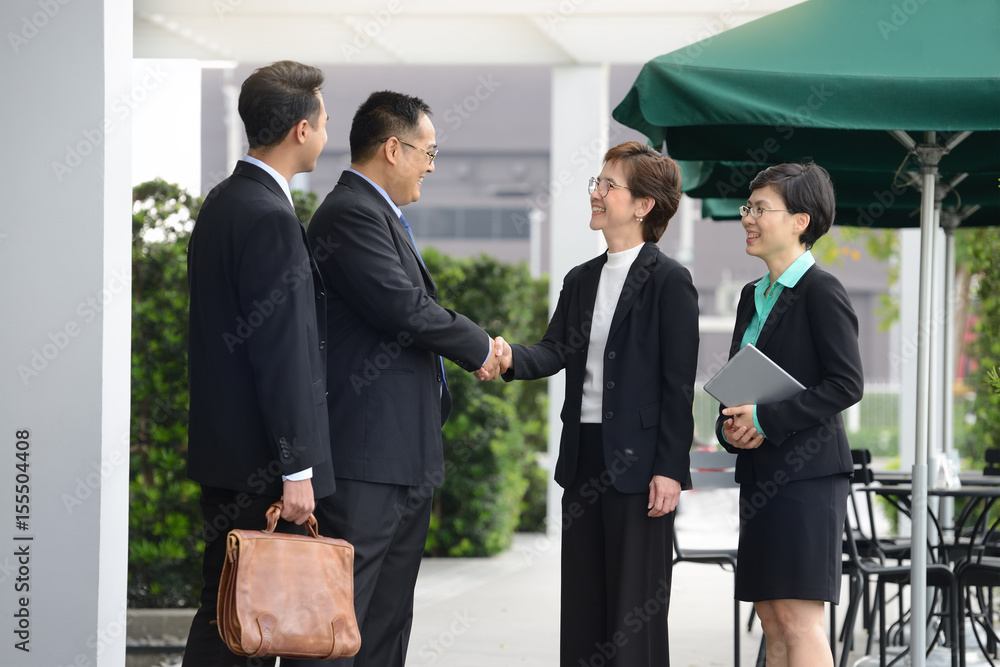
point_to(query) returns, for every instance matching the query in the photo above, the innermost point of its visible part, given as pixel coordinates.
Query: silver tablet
(751, 378)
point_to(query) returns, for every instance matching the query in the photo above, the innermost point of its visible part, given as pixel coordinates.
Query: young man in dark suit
(388, 394)
(258, 426)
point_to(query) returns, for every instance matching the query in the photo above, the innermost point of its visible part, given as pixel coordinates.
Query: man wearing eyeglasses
(388, 395)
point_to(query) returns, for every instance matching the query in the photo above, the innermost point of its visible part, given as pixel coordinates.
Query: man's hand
(298, 501)
(494, 365)
(664, 493)
(739, 429)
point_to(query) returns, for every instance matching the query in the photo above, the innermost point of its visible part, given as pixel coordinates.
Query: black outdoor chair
(939, 576)
(713, 470)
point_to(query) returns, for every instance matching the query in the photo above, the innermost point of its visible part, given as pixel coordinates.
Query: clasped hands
(739, 429)
(501, 358)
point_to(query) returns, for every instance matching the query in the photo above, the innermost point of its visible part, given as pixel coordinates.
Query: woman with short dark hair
(789, 559)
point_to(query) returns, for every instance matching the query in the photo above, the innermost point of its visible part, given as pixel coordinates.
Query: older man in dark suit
(388, 394)
(258, 424)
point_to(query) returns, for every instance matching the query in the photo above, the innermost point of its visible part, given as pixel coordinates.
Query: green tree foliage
(983, 248)
(165, 543)
(496, 429)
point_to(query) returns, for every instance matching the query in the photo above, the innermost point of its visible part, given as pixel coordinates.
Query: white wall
(165, 103)
(64, 355)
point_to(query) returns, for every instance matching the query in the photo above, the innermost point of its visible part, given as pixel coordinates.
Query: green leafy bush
(984, 248)
(496, 429)
(165, 543)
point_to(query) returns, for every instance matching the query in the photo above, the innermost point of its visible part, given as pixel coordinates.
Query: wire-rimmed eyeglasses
(430, 154)
(757, 211)
(602, 185)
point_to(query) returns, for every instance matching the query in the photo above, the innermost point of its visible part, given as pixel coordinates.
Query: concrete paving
(504, 611)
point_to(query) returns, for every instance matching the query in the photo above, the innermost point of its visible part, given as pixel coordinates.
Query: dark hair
(650, 174)
(274, 98)
(384, 114)
(806, 188)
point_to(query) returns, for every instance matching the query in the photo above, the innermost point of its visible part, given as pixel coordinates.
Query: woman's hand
(664, 493)
(739, 429)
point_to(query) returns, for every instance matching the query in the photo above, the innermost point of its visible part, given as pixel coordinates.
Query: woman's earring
(639, 218)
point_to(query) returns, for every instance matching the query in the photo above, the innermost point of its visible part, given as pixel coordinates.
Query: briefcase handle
(274, 513)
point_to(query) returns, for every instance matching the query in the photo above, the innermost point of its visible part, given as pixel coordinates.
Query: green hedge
(493, 487)
(493, 484)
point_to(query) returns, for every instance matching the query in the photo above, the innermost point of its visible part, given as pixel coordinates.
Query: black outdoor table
(973, 532)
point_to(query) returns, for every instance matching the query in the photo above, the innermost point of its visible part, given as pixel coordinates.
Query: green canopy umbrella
(825, 79)
(843, 82)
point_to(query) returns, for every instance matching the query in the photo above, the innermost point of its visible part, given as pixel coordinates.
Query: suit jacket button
(611, 354)
(322, 345)
(320, 295)
(629, 452)
(609, 414)
(611, 385)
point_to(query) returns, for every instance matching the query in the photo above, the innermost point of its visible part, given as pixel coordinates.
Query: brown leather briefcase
(287, 595)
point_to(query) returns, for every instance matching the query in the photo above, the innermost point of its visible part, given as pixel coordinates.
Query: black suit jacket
(257, 332)
(649, 369)
(812, 333)
(387, 332)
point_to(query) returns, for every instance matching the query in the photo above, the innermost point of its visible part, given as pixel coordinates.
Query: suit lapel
(400, 237)
(589, 280)
(743, 317)
(255, 173)
(400, 232)
(638, 274)
(786, 300)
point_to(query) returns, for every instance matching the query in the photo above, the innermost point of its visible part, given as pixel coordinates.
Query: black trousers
(616, 569)
(387, 524)
(224, 510)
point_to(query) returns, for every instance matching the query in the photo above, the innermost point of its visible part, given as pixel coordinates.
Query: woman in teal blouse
(794, 459)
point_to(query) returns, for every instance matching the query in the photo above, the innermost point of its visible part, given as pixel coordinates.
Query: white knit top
(609, 289)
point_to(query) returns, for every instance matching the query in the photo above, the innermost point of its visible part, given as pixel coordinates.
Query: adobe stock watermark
(121, 108)
(711, 28)
(89, 484)
(743, 173)
(899, 17)
(560, 14)
(30, 25)
(583, 158)
(265, 308)
(652, 610)
(462, 110)
(431, 650)
(591, 492)
(223, 7)
(368, 30)
(58, 341)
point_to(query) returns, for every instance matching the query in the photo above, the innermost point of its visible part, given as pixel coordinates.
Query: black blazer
(811, 332)
(387, 402)
(650, 363)
(255, 354)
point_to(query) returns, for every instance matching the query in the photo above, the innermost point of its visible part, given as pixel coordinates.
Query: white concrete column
(65, 269)
(580, 116)
(166, 125)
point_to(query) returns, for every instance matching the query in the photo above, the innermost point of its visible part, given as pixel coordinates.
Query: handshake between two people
(501, 358)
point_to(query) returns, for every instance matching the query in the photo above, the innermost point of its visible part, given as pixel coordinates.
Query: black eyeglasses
(430, 154)
(602, 185)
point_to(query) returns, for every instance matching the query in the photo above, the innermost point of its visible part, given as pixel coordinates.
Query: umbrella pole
(929, 155)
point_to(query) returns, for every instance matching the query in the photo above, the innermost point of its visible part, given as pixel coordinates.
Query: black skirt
(791, 539)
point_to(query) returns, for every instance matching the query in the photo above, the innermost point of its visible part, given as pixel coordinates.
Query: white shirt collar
(274, 174)
(381, 191)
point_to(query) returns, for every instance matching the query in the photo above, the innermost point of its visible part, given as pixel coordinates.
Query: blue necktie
(444, 378)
